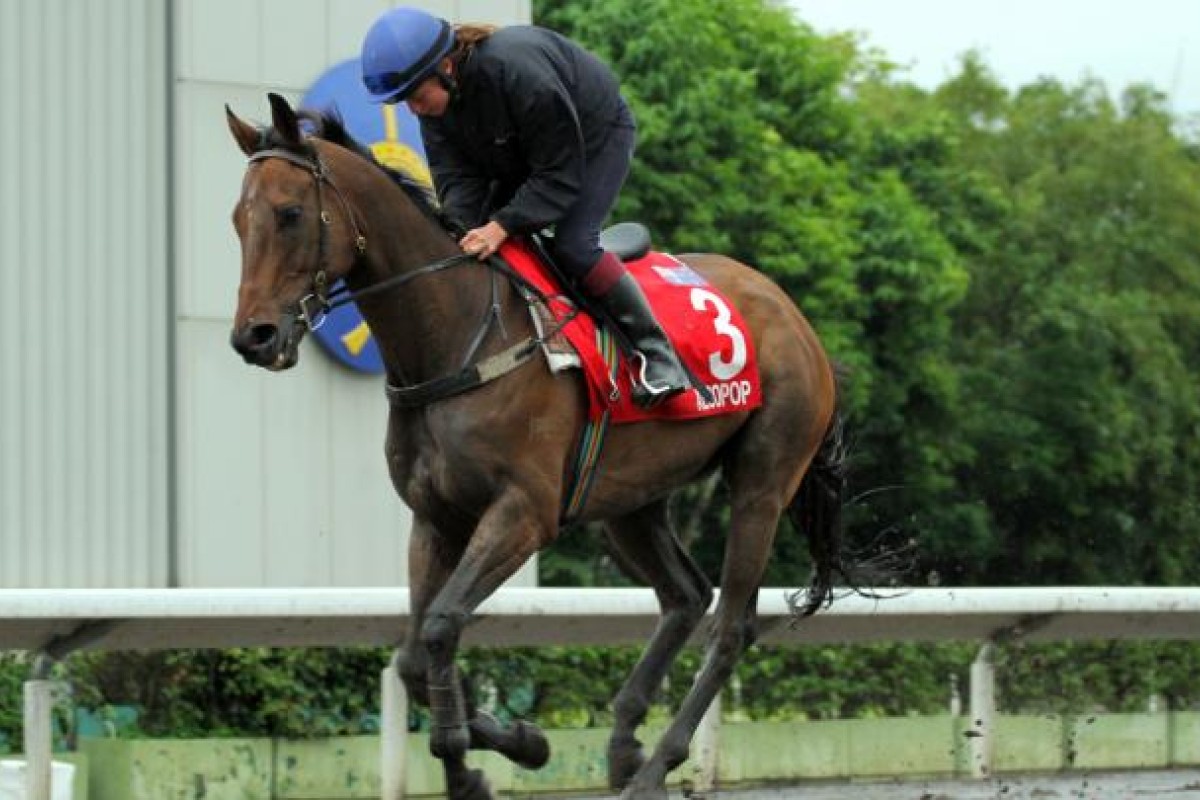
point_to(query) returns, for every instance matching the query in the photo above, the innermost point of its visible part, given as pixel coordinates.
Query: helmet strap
(447, 81)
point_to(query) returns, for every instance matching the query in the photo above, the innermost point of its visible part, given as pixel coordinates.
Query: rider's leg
(603, 277)
(657, 368)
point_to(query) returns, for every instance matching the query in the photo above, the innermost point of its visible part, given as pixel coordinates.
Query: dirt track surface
(1168, 785)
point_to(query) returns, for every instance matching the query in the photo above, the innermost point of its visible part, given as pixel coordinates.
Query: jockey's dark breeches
(577, 235)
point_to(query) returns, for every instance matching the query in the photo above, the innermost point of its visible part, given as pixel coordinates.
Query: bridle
(319, 298)
(313, 308)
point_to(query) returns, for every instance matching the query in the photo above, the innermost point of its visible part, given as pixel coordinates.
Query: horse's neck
(424, 327)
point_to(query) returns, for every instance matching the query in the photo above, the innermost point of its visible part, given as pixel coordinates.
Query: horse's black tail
(816, 511)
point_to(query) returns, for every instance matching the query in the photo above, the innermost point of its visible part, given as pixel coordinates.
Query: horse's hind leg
(763, 474)
(646, 547)
(732, 632)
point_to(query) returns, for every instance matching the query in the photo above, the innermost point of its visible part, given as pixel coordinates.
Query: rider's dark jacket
(529, 108)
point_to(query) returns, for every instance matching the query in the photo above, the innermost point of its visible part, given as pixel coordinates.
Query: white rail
(53, 623)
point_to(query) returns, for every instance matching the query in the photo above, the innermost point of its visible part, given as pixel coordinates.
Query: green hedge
(309, 693)
(13, 670)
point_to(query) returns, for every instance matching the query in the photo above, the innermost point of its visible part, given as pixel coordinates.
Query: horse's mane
(328, 125)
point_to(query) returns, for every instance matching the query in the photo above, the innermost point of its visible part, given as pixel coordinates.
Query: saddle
(628, 241)
(706, 330)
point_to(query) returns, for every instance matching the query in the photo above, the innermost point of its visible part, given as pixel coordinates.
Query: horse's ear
(245, 134)
(284, 119)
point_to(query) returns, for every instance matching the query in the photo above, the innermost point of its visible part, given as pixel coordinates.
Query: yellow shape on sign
(357, 339)
(391, 152)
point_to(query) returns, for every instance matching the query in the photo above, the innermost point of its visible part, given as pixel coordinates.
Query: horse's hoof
(532, 750)
(471, 786)
(521, 742)
(623, 764)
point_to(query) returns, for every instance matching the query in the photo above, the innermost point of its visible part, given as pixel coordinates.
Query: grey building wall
(281, 476)
(135, 447)
(84, 288)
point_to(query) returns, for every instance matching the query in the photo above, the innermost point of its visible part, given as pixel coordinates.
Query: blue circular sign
(394, 136)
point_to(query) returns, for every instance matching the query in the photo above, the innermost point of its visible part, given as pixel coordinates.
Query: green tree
(1009, 279)
(1076, 338)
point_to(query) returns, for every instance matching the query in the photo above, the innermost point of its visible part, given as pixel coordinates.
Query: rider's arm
(461, 188)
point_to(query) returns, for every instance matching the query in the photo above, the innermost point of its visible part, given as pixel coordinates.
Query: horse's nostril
(262, 335)
(257, 343)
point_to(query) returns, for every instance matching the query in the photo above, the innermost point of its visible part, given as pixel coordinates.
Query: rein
(313, 308)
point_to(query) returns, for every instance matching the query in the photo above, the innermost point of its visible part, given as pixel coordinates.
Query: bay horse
(483, 468)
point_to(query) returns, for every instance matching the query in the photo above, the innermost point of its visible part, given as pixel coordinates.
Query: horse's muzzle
(264, 344)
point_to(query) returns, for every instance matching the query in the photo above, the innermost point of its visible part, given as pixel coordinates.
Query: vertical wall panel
(293, 41)
(89, 348)
(84, 374)
(282, 476)
(498, 12)
(219, 39)
(345, 25)
(11, 368)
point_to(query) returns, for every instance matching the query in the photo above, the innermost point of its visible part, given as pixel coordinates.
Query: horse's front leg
(521, 742)
(431, 560)
(511, 530)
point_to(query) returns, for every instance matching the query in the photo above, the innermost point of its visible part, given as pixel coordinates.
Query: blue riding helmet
(403, 48)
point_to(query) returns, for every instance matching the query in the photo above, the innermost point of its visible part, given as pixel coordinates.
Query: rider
(524, 129)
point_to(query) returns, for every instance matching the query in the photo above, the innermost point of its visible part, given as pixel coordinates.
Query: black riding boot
(657, 368)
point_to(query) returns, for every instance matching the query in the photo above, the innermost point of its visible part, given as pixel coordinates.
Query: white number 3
(722, 370)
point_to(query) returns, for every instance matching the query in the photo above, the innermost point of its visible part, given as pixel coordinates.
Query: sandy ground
(1169, 785)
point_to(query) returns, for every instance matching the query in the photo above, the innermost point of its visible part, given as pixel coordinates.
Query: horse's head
(297, 234)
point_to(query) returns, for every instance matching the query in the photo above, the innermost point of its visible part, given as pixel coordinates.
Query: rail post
(38, 741)
(708, 748)
(393, 729)
(982, 729)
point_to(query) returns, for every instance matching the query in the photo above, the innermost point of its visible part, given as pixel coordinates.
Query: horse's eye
(289, 216)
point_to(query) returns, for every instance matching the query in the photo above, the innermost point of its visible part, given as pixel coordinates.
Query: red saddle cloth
(707, 331)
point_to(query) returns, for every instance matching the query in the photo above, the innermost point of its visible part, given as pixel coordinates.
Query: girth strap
(464, 380)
